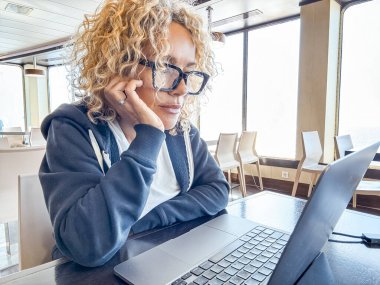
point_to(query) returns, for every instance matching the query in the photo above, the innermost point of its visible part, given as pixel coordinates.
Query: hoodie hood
(74, 112)
(77, 113)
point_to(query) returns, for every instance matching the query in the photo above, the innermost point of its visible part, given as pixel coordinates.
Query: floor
(9, 263)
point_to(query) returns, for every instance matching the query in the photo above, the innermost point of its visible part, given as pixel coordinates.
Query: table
(375, 163)
(351, 263)
(24, 148)
(17, 134)
(376, 158)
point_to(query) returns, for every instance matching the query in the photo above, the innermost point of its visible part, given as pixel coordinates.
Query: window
(359, 104)
(11, 96)
(59, 87)
(222, 111)
(273, 58)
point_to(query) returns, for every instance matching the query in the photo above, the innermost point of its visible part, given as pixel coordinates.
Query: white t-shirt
(164, 185)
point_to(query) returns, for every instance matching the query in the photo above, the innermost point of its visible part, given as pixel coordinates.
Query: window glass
(11, 97)
(59, 87)
(359, 113)
(273, 58)
(222, 109)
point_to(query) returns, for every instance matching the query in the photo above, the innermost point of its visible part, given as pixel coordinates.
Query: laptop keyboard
(249, 260)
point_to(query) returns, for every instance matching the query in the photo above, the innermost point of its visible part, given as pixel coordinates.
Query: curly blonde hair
(121, 29)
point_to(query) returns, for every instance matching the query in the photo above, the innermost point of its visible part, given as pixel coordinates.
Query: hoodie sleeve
(208, 194)
(92, 213)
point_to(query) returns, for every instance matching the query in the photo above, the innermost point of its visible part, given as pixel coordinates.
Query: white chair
(342, 143)
(36, 137)
(312, 153)
(14, 140)
(365, 187)
(4, 142)
(247, 154)
(13, 162)
(35, 230)
(225, 157)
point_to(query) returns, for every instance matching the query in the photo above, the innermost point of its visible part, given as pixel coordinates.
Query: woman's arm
(92, 213)
(208, 194)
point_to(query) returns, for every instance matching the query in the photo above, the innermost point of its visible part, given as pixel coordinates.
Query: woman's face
(168, 105)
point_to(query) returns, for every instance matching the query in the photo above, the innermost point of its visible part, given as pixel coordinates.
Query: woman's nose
(180, 90)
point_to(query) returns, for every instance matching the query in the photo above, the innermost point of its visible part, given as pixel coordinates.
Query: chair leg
(354, 200)
(313, 180)
(7, 238)
(229, 177)
(242, 181)
(259, 174)
(296, 180)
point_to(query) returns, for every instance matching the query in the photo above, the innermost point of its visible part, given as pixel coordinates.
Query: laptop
(234, 250)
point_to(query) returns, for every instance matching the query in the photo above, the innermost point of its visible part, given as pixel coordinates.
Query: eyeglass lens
(168, 77)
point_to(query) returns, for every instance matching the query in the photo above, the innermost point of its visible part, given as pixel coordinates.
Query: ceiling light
(19, 9)
(216, 36)
(36, 72)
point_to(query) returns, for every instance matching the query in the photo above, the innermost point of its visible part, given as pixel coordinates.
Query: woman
(125, 159)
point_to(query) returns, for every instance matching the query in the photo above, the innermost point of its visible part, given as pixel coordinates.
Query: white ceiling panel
(50, 33)
(49, 22)
(58, 7)
(22, 32)
(17, 39)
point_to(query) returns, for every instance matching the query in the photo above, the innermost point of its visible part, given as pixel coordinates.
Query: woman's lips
(171, 108)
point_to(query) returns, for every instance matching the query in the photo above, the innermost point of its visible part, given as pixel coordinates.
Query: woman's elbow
(85, 256)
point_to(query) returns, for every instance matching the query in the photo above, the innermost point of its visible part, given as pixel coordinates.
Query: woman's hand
(121, 95)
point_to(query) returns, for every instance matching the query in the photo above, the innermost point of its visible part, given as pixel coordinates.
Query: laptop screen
(332, 194)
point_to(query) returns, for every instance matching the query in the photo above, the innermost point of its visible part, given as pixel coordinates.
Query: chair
(247, 154)
(36, 137)
(225, 157)
(312, 153)
(365, 187)
(342, 143)
(4, 142)
(13, 162)
(14, 140)
(35, 230)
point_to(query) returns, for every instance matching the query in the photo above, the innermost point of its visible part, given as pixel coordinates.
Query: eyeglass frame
(182, 75)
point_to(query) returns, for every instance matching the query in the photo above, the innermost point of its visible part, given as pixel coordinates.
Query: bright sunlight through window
(359, 113)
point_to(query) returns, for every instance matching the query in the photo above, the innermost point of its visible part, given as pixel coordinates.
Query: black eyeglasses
(169, 78)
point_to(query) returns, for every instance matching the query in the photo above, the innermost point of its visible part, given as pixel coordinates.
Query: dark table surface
(350, 263)
(376, 158)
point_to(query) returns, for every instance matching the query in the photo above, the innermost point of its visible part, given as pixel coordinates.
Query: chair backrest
(226, 149)
(246, 149)
(343, 143)
(35, 230)
(14, 140)
(36, 137)
(312, 149)
(13, 162)
(4, 142)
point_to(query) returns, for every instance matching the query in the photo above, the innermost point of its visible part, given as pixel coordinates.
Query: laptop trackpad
(198, 244)
(172, 259)
(150, 268)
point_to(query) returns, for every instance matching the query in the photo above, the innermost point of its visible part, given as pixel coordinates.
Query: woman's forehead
(182, 48)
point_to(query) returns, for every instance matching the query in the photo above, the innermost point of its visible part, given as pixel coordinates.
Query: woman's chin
(169, 124)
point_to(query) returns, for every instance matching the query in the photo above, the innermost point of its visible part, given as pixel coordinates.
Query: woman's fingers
(121, 94)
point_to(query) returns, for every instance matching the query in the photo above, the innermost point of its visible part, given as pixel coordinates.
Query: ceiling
(50, 23)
